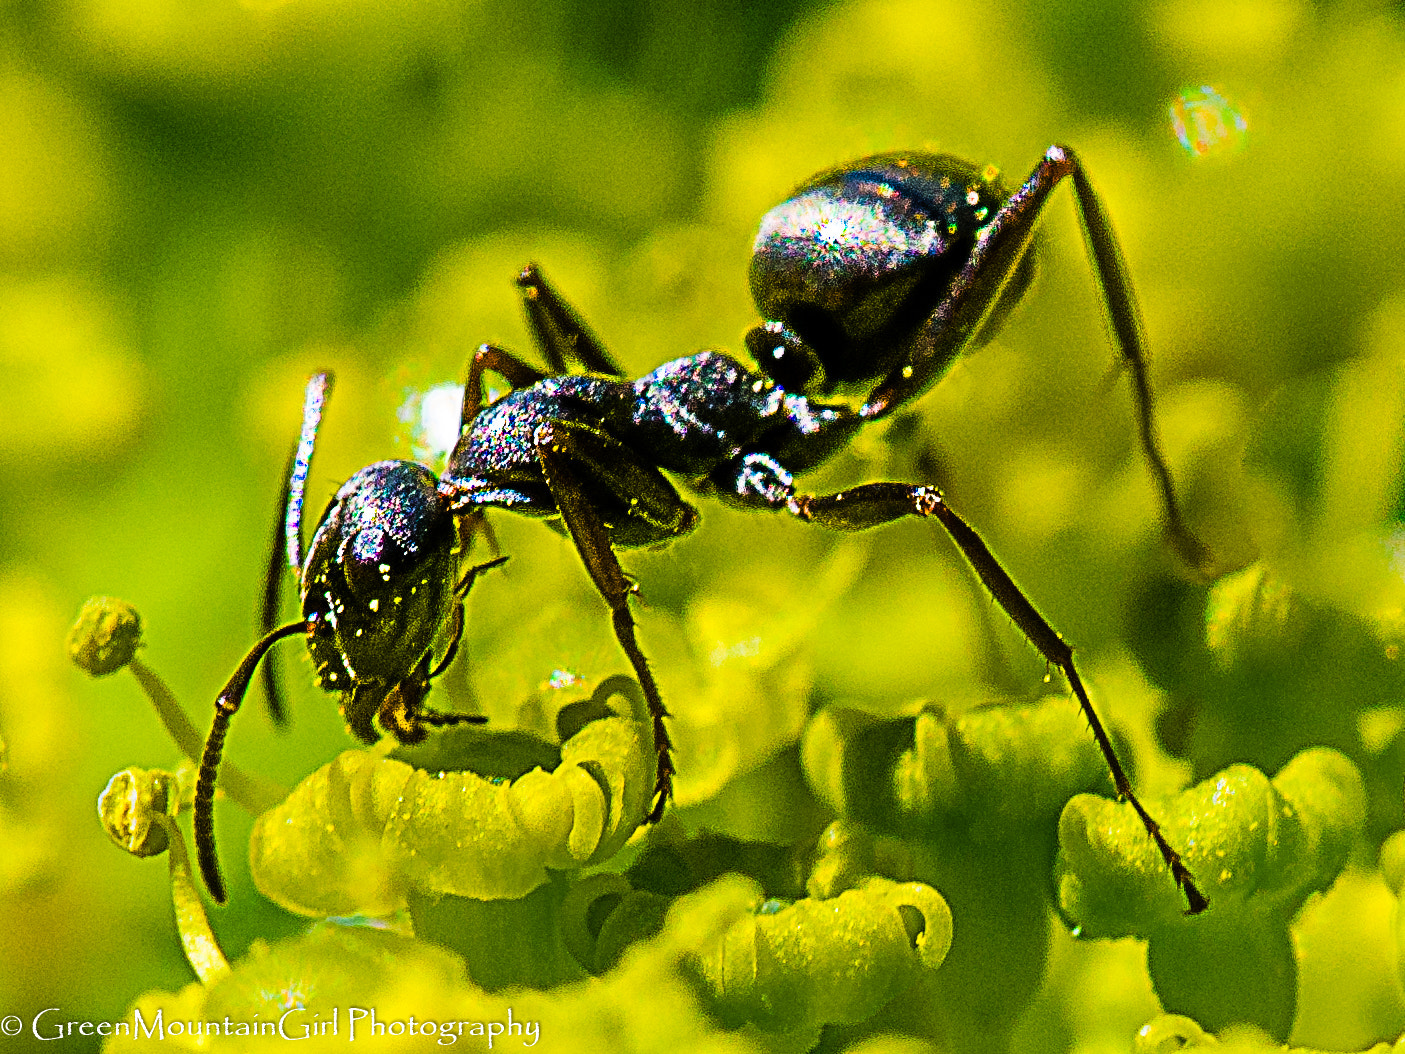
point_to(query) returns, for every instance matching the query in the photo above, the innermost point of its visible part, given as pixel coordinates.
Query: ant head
(860, 258)
(378, 584)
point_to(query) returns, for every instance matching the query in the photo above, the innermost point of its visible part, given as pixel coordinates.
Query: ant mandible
(378, 584)
(880, 272)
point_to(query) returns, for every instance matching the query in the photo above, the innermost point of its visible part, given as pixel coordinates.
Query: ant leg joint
(926, 500)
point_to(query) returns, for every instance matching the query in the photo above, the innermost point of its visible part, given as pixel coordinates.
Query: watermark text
(352, 1024)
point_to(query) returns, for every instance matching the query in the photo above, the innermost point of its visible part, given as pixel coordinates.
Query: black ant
(877, 273)
(379, 582)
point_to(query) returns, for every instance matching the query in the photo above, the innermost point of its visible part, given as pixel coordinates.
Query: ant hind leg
(874, 504)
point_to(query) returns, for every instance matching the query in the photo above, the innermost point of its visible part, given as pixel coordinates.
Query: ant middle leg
(874, 504)
(490, 357)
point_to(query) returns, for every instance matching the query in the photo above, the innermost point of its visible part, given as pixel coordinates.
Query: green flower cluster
(507, 850)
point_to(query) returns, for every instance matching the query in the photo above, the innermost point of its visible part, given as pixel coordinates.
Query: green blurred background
(200, 204)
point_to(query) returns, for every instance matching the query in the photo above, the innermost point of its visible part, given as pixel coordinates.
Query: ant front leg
(456, 630)
(761, 480)
(570, 454)
(402, 712)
